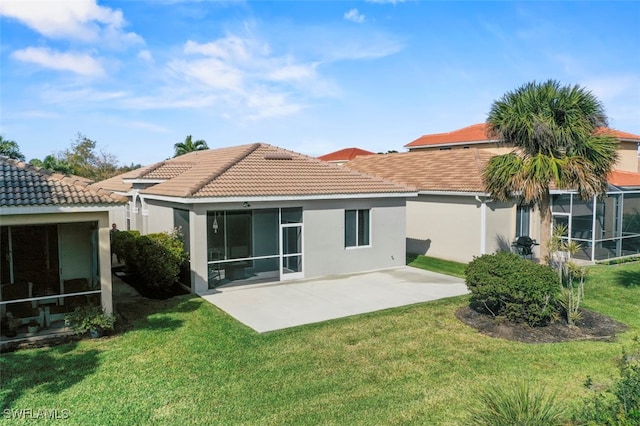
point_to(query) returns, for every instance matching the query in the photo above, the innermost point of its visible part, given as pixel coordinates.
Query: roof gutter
(255, 199)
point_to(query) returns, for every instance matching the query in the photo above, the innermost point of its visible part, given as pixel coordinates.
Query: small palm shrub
(517, 405)
(504, 284)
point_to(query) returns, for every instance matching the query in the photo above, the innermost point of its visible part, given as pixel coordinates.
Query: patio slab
(273, 306)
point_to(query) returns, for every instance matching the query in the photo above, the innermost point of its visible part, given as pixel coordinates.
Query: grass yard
(186, 362)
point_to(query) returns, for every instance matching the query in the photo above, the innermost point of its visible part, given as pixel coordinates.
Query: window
(522, 221)
(356, 228)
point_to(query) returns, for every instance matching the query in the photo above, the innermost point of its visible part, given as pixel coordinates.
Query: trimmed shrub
(504, 284)
(124, 246)
(159, 258)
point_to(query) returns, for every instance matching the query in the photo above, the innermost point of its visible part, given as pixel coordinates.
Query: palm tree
(189, 145)
(558, 139)
(10, 149)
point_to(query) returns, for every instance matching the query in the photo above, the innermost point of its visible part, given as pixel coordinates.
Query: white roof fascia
(15, 210)
(139, 180)
(255, 199)
(459, 193)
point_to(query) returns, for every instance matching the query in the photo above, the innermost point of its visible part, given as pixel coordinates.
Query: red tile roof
(477, 133)
(624, 178)
(255, 170)
(346, 154)
(452, 171)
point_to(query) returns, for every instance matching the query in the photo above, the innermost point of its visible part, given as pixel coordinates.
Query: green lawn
(186, 362)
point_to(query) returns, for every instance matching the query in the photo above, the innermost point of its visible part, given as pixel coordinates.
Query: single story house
(257, 212)
(54, 240)
(454, 218)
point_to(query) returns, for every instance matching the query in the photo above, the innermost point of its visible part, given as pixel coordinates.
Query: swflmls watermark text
(36, 414)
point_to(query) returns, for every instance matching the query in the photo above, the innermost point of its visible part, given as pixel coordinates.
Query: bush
(503, 284)
(620, 404)
(159, 258)
(517, 405)
(124, 246)
(89, 317)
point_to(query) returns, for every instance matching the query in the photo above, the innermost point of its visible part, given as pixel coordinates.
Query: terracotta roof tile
(477, 133)
(253, 170)
(451, 170)
(624, 178)
(346, 154)
(22, 184)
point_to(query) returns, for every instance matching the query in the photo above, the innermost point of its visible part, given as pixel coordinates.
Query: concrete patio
(273, 306)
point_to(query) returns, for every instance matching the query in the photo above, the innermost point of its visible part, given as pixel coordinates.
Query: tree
(53, 163)
(189, 145)
(10, 149)
(85, 162)
(558, 134)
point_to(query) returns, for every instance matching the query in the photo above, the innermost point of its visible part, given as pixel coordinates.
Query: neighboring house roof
(624, 179)
(251, 170)
(449, 171)
(346, 154)
(23, 185)
(477, 133)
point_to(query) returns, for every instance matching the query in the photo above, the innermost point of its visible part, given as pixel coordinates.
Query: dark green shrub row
(619, 260)
(504, 284)
(156, 258)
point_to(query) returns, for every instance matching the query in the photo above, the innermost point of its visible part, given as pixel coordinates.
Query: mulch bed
(592, 326)
(136, 282)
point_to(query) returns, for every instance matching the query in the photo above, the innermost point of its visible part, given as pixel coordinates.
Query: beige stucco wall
(500, 226)
(628, 157)
(101, 217)
(489, 146)
(442, 226)
(450, 226)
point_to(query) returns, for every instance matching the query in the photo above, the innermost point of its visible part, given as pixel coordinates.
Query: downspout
(483, 223)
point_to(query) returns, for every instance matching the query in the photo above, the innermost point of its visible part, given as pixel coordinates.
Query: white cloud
(293, 72)
(80, 20)
(78, 63)
(354, 15)
(385, 1)
(244, 74)
(145, 55)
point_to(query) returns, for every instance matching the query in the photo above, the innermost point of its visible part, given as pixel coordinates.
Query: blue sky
(314, 77)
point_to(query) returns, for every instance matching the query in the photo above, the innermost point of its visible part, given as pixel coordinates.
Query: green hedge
(504, 284)
(156, 258)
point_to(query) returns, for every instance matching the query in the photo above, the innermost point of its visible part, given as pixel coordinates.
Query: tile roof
(22, 184)
(477, 133)
(624, 178)
(253, 170)
(345, 154)
(451, 170)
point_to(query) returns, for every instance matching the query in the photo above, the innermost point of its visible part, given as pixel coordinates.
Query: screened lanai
(605, 227)
(248, 246)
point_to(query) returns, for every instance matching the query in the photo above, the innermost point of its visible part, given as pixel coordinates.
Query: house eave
(439, 145)
(143, 181)
(458, 193)
(255, 199)
(18, 210)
